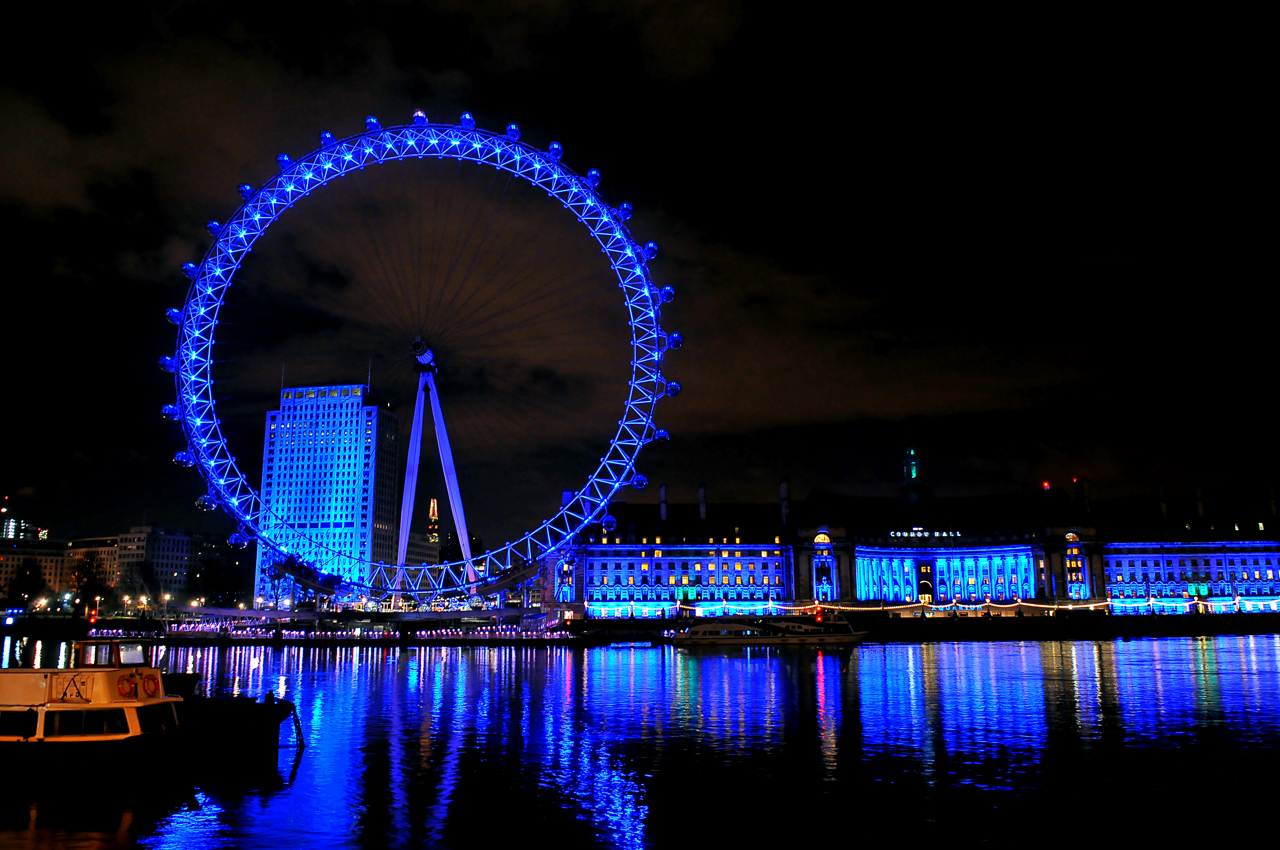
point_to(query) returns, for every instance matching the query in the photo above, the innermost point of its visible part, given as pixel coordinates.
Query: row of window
(684, 565)
(1195, 575)
(323, 393)
(684, 580)
(1195, 562)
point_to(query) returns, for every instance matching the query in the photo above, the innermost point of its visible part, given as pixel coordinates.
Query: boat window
(157, 718)
(132, 654)
(18, 724)
(97, 655)
(92, 721)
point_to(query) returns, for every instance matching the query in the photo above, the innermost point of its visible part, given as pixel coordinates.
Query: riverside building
(654, 560)
(1178, 577)
(329, 473)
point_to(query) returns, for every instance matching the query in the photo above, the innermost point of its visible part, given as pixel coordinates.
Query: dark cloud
(875, 240)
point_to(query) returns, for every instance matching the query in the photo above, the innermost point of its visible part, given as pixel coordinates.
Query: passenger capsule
(673, 388)
(174, 315)
(650, 250)
(190, 270)
(593, 178)
(246, 191)
(675, 339)
(326, 139)
(184, 459)
(206, 503)
(555, 151)
(661, 435)
(609, 523)
(639, 482)
(624, 211)
(283, 160)
(171, 411)
(667, 294)
(238, 540)
(419, 117)
(467, 121)
(214, 227)
(371, 123)
(513, 132)
(168, 364)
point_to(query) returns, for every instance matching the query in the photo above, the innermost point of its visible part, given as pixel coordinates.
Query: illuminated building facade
(654, 560)
(329, 471)
(1184, 577)
(943, 575)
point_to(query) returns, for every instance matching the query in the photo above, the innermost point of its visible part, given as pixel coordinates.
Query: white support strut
(427, 386)
(411, 474)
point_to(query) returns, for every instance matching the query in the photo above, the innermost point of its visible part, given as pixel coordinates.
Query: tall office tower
(330, 472)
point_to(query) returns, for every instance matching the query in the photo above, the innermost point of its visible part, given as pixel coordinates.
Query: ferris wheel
(208, 449)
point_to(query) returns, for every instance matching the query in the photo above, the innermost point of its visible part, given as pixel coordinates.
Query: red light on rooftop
(1044, 484)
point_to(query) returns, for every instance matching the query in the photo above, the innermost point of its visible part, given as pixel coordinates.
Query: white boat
(108, 698)
(766, 631)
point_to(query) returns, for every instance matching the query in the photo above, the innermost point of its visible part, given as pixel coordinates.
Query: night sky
(1002, 241)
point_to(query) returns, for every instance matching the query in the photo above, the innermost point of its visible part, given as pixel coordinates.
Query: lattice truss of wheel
(207, 449)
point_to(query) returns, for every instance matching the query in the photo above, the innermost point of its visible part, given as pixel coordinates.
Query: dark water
(641, 746)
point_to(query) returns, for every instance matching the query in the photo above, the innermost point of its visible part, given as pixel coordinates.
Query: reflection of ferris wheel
(192, 363)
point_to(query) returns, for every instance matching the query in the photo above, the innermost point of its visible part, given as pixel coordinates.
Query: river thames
(639, 746)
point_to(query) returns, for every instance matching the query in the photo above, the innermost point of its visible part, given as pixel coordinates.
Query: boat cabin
(109, 691)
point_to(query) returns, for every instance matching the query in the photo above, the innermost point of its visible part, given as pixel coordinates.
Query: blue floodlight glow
(212, 278)
(971, 574)
(1185, 578)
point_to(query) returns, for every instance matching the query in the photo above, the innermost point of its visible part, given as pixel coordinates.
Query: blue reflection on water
(632, 746)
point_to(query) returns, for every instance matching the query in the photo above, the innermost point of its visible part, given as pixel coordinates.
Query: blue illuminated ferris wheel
(192, 364)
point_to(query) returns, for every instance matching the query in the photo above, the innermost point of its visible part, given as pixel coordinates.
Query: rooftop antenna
(281, 377)
(369, 377)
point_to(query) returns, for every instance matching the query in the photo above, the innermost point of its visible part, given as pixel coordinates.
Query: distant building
(330, 475)
(49, 557)
(652, 560)
(154, 561)
(13, 528)
(422, 549)
(103, 553)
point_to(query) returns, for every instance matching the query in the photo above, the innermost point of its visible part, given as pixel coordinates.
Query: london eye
(443, 325)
